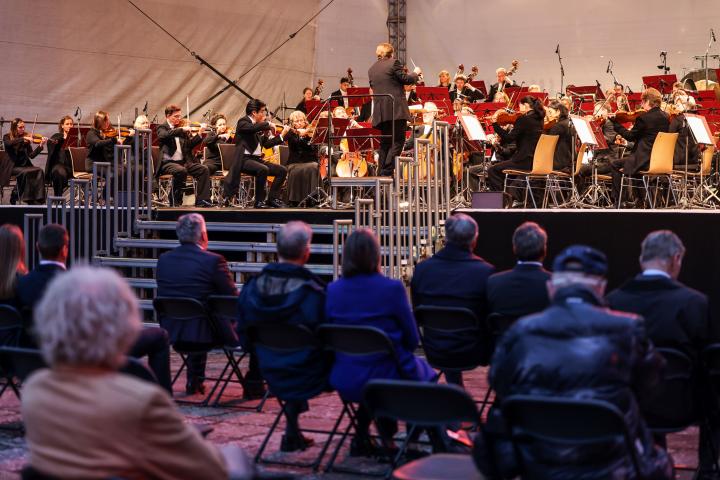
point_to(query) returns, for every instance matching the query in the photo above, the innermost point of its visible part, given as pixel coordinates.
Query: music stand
(662, 83)
(432, 94)
(634, 100)
(512, 92)
(484, 109)
(363, 139)
(542, 96)
(354, 96)
(585, 91)
(314, 107)
(480, 85)
(72, 138)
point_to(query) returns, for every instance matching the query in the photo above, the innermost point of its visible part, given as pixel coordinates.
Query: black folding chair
(427, 405)
(284, 339)
(223, 317)
(566, 421)
(438, 322)
(183, 312)
(11, 326)
(355, 341)
(498, 324)
(17, 364)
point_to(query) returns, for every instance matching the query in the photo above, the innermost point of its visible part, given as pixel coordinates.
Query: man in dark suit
(643, 133)
(366, 111)
(676, 316)
(522, 290)
(176, 157)
(502, 79)
(340, 95)
(387, 77)
(467, 93)
(455, 277)
(52, 245)
(190, 271)
(253, 133)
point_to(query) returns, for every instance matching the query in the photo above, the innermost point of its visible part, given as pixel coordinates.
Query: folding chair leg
(234, 365)
(258, 456)
(485, 401)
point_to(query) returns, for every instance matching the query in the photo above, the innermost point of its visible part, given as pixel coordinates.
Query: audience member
(676, 317)
(575, 348)
(455, 277)
(364, 296)
(288, 293)
(84, 419)
(12, 267)
(522, 290)
(52, 245)
(190, 271)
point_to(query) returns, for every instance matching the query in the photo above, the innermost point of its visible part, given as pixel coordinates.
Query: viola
(507, 117)
(627, 117)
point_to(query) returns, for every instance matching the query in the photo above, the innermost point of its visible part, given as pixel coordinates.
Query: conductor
(387, 76)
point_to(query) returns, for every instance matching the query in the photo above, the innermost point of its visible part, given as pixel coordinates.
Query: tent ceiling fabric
(444, 33)
(106, 55)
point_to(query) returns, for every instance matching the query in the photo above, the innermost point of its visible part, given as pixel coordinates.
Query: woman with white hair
(83, 418)
(303, 177)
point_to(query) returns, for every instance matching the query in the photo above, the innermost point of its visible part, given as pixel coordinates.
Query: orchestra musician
(58, 168)
(444, 79)
(686, 140)
(30, 179)
(177, 141)
(501, 97)
(218, 134)
(100, 142)
(501, 84)
(618, 97)
(558, 114)
(386, 76)
(430, 112)
(307, 96)
(142, 122)
(526, 133)
(340, 95)
(253, 133)
(602, 158)
(303, 175)
(411, 95)
(643, 133)
(464, 91)
(534, 88)
(366, 110)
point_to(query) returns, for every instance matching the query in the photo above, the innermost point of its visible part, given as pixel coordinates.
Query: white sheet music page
(700, 129)
(473, 129)
(583, 130)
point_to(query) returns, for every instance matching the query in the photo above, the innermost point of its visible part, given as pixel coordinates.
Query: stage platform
(618, 233)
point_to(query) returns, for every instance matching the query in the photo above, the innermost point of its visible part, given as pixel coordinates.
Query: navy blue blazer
(31, 287)
(519, 291)
(455, 277)
(189, 271)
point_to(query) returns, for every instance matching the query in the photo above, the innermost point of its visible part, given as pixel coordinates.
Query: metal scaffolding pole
(397, 28)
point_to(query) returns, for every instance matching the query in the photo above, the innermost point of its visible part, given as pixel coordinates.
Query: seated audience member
(288, 293)
(575, 348)
(190, 271)
(83, 418)
(53, 245)
(455, 277)
(522, 290)
(675, 316)
(364, 296)
(12, 265)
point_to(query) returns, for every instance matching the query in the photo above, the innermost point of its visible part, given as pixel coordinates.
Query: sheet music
(472, 127)
(699, 129)
(583, 130)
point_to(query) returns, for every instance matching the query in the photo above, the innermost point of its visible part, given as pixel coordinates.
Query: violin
(550, 123)
(627, 117)
(506, 117)
(113, 132)
(195, 127)
(37, 138)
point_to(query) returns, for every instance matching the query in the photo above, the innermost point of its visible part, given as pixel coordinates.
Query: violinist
(219, 134)
(176, 146)
(501, 97)
(58, 168)
(534, 88)
(366, 110)
(303, 176)
(307, 96)
(602, 158)
(141, 123)
(422, 131)
(30, 179)
(411, 95)
(501, 84)
(643, 133)
(558, 123)
(686, 140)
(101, 141)
(444, 79)
(340, 95)
(526, 133)
(464, 91)
(618, 97)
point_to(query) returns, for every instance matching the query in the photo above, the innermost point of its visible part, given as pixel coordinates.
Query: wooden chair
(698, 180)
(78, 155)
(661, 168)
(541, 170)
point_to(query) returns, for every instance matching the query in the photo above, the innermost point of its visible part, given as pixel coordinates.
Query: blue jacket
(189, 271)
(284, 293)
(380, 302)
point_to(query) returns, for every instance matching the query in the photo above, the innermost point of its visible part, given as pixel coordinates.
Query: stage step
(151, 284)
(214, 246)
(230, 227)
(235, 267)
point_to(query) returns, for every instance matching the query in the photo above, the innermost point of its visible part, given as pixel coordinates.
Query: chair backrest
(11, 326)
(77, 159)
(179, 307)
(421, 403)
(662, 154)
(284, 155)
(707, 156)
(282, 337)
(357, 341)
(227, 155)
(544, 155)
(711, 362)
(21, 362)
(566, 421)
(579, 159)
(437, 325)
(499, 323)
(223, 314)
(677, 409)
(445, 319)
(186, 320)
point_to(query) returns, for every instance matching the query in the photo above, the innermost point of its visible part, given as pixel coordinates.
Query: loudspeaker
(487, 200)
